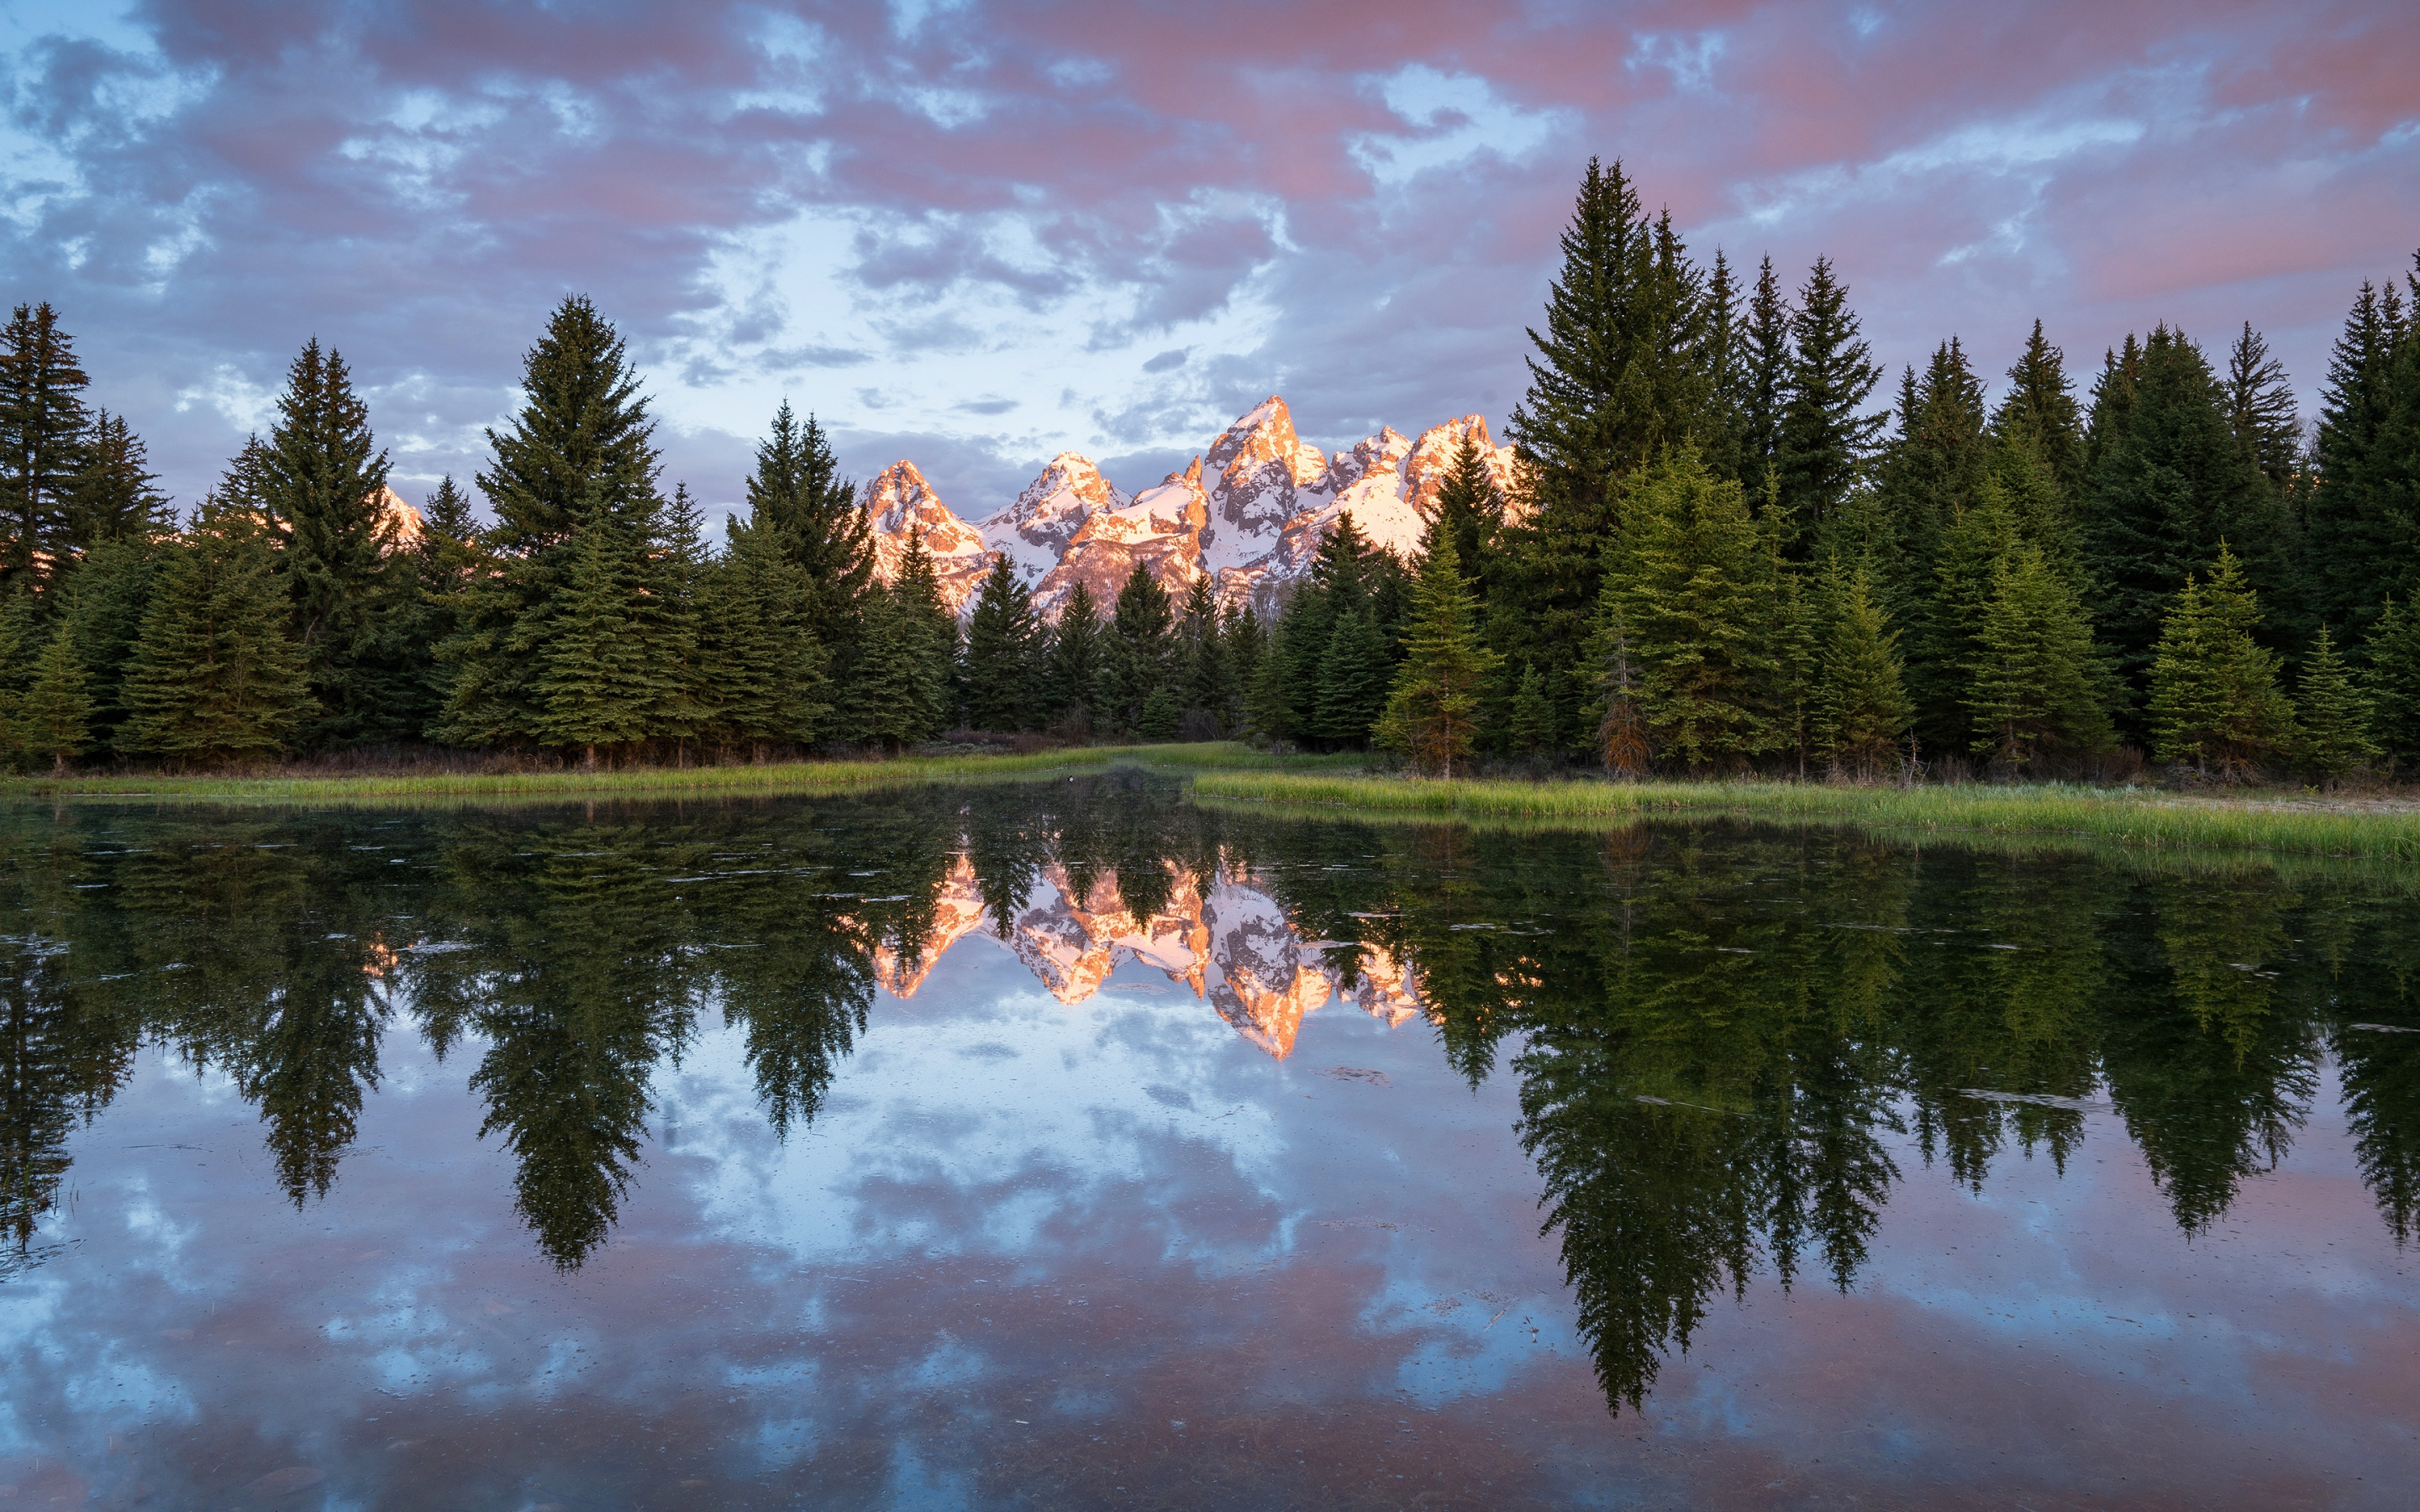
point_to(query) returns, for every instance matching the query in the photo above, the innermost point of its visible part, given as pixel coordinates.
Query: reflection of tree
(577, 944)
(2211, 1082)
(61, 1058)
(2008, 1003)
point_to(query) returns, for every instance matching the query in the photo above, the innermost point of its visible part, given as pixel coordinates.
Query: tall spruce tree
(1247, 647)
(1208, 674)
(929, 636)
(2032, 690)
(116, 496)
(2214, 698)
(2169, 481)
(579, 455)
(1432, 712)
(448, 559)
(1355, 672)
(1003, 646)
(43, 432)
(2391, 659)
(596, 685)
(2334, 713)
(2356, 551)
(2260, 397)
(1765, 365)
(1861, 704)
(1687, 590)
(1141, 655)
(1824, 437)
(103, 618)
(797, 489)
(766, 669)
(1468, 508)
(2039, 407)
(322, 480)
(1618, 374)
(52, 717)
(216, 675)
(1073, 682)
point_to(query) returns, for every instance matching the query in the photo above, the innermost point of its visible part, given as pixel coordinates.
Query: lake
(1068, 1143)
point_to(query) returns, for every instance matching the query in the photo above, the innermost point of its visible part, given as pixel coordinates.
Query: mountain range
(1221, 935)
(1249, 514)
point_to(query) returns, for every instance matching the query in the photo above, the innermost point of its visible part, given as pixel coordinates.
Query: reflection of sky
(1057, 1251)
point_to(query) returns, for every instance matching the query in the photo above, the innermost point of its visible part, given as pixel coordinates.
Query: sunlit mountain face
(1247, 514)
(1043, 1139)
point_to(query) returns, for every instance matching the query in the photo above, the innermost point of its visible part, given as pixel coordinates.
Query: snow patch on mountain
(901, 503)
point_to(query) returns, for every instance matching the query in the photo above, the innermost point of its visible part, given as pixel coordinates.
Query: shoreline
(2365, 830)
(771, 779)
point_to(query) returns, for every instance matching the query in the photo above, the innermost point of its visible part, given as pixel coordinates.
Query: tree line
(591, 618)
(1712, 558)
(1715, 559)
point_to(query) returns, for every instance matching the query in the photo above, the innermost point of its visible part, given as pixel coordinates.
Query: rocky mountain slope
(1249, 514)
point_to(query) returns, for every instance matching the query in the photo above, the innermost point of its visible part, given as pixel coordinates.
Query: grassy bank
(660, 781)
(2127, 817)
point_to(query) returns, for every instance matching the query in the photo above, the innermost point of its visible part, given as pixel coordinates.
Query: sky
(976, 234)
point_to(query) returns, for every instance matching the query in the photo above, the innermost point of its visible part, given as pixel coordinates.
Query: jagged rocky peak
(1160, 530)
(1261, 473)
(902, 504)
(1248, 513)
(1431, 458)
(1037, 528)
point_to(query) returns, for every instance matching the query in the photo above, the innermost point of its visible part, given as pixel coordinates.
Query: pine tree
(595, 684)
(797, 489)
(322, 481)
(115, 496)
(2039, 407)
(2031, 666)
(1767, 364)
(1950, 623)
(1207, 673)
(766, 669)
(1247, 647)
(1161, 715)
(1606, 390)
(2392, 655)
(1470, 508)
(894, 687)
(578, 455)
(1687, 591)
(42, 432)
(51, 717)
(2168, 482)
(2259, 399)
(1354, 675)
(1529, 720)
(2214, 696)
(449, 559)
(1824, 439)
(1002, 647)
(2335, 713)
(929, 636)
(1074, 679)
(216, 675)
(1432, 712)
(2354, 549)
(102, 619)
(1861, 706)
(21, 616)
(1140, 655)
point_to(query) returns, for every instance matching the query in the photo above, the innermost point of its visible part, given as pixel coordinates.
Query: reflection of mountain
(1232, 946)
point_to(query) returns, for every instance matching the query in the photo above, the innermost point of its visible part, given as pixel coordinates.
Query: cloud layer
(978, 234)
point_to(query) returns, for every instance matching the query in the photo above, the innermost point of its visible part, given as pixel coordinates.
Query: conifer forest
(1732, 543)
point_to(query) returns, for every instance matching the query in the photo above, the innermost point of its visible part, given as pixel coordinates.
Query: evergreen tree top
(582, 443)
(2260, 407)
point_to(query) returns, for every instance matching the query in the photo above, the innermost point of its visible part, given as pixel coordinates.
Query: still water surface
(1067, 1144)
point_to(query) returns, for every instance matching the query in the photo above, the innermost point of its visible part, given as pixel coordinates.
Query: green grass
(663, 781)
(2127, 817)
